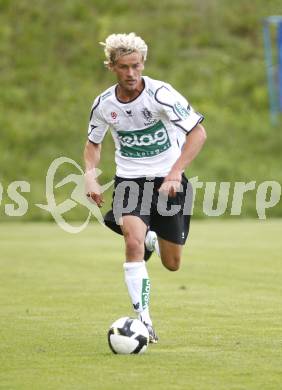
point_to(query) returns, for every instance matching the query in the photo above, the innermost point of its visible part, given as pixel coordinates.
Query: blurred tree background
(51, 68)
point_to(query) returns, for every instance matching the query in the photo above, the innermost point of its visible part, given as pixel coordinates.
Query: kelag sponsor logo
(144, 143)
(145, 292)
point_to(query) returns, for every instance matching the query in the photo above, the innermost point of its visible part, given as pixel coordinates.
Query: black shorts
(167, 216)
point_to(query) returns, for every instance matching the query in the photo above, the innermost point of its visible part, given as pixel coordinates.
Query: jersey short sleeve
(97, 127)
(177, 108)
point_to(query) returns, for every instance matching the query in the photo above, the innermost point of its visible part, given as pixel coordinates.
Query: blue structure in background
(279, 42)
(274, 71)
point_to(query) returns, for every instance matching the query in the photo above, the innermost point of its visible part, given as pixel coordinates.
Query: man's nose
(130, 72)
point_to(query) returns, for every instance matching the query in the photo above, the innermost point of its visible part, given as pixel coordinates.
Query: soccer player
(157, 134)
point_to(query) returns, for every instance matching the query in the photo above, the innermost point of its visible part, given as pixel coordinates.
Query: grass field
(219, 318)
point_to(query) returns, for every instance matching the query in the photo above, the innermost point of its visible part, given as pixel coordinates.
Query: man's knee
(133, 243)
(172, 263)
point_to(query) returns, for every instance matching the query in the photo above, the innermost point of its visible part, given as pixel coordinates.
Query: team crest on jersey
(148, 116)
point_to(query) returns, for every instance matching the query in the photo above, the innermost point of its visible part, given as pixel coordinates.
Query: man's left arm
(191, 148)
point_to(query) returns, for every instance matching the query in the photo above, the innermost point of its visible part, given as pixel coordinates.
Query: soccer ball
(128, 335)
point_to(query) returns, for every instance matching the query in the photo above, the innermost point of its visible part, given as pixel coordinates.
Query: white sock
(138, 285)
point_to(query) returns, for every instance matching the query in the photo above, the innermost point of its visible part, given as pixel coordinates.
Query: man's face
(128, 69)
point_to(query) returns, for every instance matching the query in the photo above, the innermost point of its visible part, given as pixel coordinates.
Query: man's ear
(111, 67)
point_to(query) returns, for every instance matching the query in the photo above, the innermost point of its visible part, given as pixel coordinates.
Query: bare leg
(170, 254)
(134, 231)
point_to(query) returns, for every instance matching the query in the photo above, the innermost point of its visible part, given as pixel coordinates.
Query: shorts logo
(144, 143)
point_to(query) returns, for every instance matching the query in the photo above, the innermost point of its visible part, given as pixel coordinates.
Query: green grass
(211, 51)
(218, 318)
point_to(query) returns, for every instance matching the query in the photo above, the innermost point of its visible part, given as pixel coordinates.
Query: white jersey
(148, 131)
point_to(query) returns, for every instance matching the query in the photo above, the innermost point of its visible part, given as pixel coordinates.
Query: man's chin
(130, 86)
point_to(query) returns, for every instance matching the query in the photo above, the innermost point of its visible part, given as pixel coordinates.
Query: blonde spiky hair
(117, 45)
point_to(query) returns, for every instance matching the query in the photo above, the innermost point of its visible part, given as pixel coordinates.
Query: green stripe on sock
(146, 286)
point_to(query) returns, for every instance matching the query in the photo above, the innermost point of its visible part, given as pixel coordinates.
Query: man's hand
(96, 197)
(92, 188)
(171, 184)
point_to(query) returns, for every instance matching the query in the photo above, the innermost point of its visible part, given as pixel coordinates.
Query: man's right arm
(92, 153)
